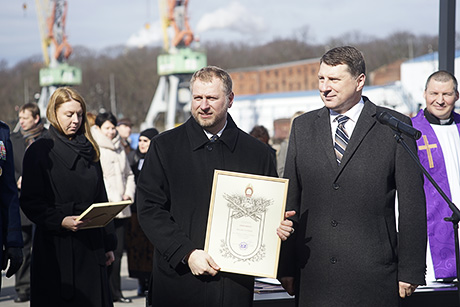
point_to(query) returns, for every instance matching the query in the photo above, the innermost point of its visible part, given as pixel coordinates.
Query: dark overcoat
(345, 250)
(174, 191)
(68, 268)
(10, 222)
(19, 148)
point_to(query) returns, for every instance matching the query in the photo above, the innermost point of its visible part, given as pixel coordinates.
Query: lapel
(324, 136)
(365, 122)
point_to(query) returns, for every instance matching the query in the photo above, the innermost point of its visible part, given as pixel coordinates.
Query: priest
(439, 152)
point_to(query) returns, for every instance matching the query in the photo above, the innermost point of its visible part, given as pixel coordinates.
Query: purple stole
(440, 232)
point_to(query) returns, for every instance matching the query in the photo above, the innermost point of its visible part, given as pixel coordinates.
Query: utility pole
(447, 35)
(113, 102)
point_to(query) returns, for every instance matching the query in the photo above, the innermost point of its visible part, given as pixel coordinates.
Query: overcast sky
(98, 24)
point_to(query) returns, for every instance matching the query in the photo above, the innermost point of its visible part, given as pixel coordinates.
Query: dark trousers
(115, 267)
(22, 276)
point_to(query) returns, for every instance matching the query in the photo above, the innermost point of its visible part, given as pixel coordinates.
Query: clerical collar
(436, 121)
(209, 135)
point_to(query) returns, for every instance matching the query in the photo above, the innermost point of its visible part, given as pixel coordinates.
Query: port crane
(56, 50)
(175, 67)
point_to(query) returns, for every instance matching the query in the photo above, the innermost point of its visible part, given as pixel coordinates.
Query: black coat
(19, 148)
(68, 268)
(10, 222)
(345, 249)
(174, 191)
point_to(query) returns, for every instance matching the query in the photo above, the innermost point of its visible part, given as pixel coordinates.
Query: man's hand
(288, 284)
(406, 289)
(201, 263)
(285, 229)
(14, 255)
(19, 182)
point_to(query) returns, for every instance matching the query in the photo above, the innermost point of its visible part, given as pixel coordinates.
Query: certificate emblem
(245, 226)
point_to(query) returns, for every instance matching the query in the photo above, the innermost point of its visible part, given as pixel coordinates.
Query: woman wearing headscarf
(62, 177)
(119, 183)
(140, 250)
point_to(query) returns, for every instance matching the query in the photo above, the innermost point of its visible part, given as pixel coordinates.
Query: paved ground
(129, 288)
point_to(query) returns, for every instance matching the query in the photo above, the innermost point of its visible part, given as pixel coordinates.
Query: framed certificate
(101, 214)
(244, 213)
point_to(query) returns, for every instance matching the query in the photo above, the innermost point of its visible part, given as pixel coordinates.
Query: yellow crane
(175, 66)
(174, 14)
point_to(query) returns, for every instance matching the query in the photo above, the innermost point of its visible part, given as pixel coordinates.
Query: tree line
(134, 71)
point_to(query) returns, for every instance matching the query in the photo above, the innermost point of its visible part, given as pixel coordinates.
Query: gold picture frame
(244, 213)
(100, 214)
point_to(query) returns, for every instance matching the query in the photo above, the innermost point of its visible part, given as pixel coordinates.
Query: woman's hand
(110, 257)
(71, 223)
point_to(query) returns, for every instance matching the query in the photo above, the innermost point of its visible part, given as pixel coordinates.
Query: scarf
(79, 143)
(32, 134)
(139, 154)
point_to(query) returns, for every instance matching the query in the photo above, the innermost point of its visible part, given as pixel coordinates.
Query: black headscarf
(150, 133)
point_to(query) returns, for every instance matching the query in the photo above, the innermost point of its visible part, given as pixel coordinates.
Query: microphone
(397, 125)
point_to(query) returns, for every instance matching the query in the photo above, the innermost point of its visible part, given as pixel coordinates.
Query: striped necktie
(214, 138)
(341, 137)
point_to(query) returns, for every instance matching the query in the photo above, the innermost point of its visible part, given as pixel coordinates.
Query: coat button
(334, 223)
(333, 260)
(335, 186)
(209, 147)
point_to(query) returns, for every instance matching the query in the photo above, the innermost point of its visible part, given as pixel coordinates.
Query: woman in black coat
(140, 249)
(62, 177)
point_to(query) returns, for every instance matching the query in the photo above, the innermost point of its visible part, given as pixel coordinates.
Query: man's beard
(212, 122)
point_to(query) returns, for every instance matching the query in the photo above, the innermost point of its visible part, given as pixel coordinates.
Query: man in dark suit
(173, 196)
(31, 129)
(10, 221)
(344, 173)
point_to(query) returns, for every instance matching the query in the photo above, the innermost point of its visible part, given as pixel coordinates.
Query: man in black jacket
(174, 190)
(31, 129)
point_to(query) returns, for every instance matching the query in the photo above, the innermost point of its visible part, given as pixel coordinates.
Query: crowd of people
(362, 227)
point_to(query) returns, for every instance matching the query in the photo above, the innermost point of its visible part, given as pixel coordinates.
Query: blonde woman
(61, 178)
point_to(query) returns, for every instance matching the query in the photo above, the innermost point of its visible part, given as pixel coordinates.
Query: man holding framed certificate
(174, 192)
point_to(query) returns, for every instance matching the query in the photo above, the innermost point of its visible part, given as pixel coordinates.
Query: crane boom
(175, 67)
(56, 32)
(51, 20)
(178, 19)
(41, 13)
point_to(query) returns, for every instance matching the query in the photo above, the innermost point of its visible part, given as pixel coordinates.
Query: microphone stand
(455, 218)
